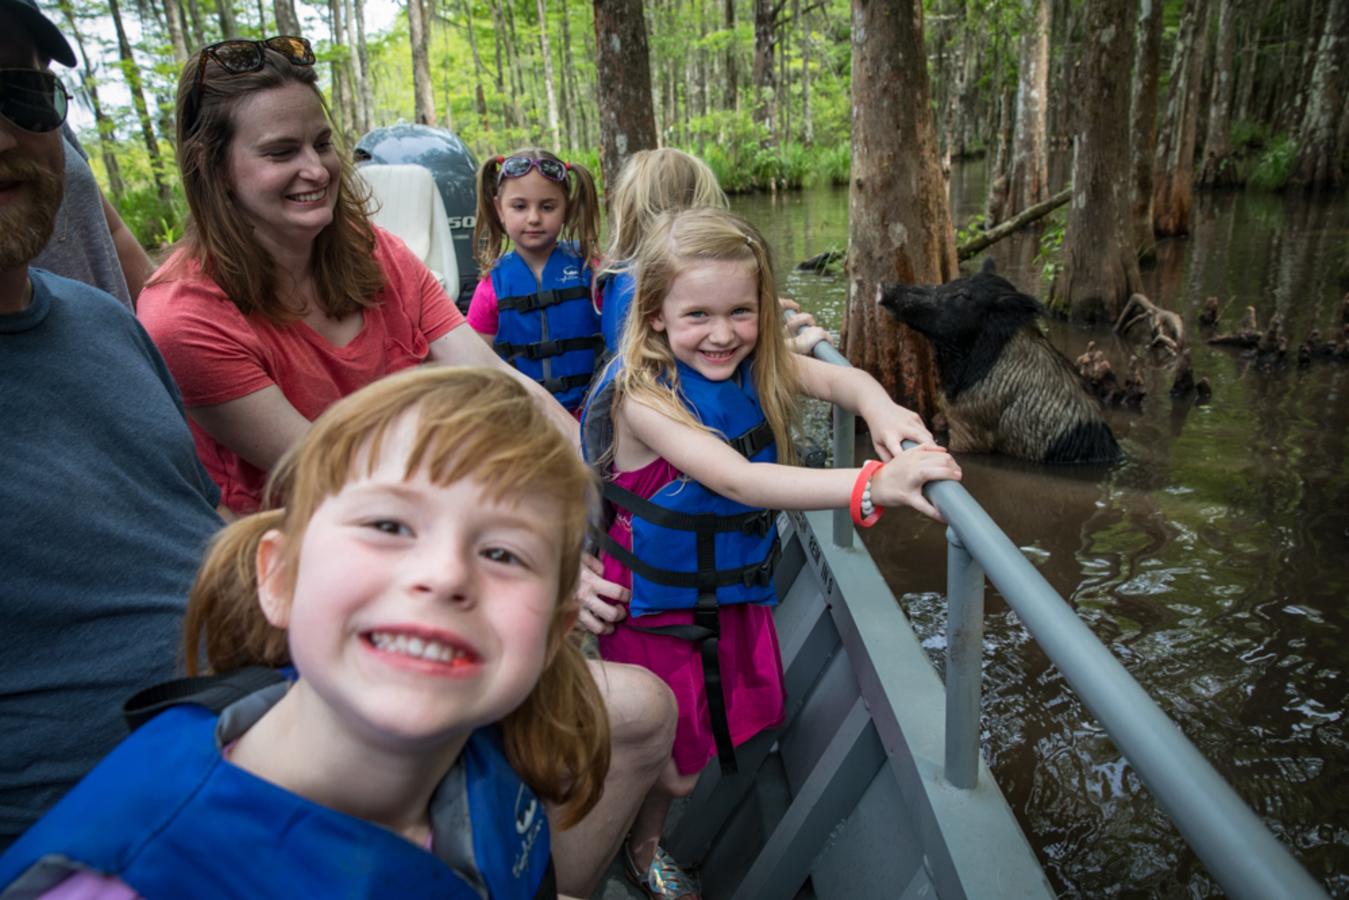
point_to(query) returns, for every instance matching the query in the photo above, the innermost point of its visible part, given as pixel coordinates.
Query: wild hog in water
(1007, 389)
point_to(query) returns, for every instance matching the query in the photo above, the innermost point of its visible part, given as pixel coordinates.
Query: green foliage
(1050, 252)
(1275, 165)
(1246, 134)
(970, 229)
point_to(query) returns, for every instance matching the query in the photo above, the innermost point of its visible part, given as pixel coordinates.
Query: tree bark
(807, 121)
(988, 238)
(1143, 115)
(899, 222)
(1002, 151)
(132, 73)
(554, 127)
(1321, 139)
(107, 134)
(623, 67)
(1028, 180)
(1216, 169)
(424, 101)
(1173, 173)
(287, 21)
(766, 13)
(479, 96)
(364, 78)
(173, 19)
(198, 26)
(570, 98)
(228, 26)
(1100, 268)
(732, 100)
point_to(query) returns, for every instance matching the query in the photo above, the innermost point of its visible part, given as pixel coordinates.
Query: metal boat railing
(1233, 843)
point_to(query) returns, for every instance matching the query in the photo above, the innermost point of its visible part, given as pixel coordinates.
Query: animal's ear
(989, 267)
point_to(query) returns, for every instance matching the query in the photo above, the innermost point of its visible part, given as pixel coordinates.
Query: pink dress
(751, 664)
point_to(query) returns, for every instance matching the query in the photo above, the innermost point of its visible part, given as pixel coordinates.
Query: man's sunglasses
(238, 57)
(33, 100)
(517, 166)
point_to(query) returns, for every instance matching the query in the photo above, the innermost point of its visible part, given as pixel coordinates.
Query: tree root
(1166, 329)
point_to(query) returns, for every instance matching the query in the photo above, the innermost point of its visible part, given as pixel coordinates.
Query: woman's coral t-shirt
(217, 354)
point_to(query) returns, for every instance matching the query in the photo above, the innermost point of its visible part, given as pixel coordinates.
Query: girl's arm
(856, 391)
(462, 347)
(711, 462)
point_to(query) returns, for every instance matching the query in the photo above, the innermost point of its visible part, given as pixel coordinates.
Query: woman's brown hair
(218, 237)
(582, 222)
(470, 423)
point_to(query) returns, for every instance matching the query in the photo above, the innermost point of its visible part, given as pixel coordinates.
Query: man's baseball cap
(46, 36)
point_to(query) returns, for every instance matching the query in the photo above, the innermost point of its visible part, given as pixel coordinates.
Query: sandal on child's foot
(663, 879)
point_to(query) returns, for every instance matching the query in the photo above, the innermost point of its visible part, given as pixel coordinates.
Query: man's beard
(26, 225)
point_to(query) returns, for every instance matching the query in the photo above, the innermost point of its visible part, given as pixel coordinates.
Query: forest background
(1226, 92)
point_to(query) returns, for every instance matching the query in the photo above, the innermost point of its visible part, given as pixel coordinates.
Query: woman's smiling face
(283, 165)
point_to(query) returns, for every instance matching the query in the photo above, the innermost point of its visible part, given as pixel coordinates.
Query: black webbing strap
(755, 522)
(705, 632)
(215, 692)
(754, 440)
(754, 575)
(542, 300)
(546, 349)
(566, 383)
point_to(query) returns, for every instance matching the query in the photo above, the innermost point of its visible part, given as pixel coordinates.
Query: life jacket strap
(542, 299)
(565, 383)
(754, 440)
(756, 522)
(758, 574)
(214, 692)
(545, 349)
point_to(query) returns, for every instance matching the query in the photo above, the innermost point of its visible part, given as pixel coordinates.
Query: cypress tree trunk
(424, 101)
(899, 222)
(132, 73)
(623, 67)
(1100, 265)
(228, 26)
(107, 134)
(287, 22)
(173, 19)
(1028, 180)
(1143, 115)
(554, 128)
(364, 78)
(1216, 168)
(1321, 138)
(1173, 173)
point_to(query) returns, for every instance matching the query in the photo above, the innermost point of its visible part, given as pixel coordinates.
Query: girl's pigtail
(489, 235)
(224, 622)
(583, 213)
(558, 739)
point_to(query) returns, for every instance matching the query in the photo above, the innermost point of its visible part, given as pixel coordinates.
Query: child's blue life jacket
(170, 817)
(547, 328)
(615, 290)
(687, 541)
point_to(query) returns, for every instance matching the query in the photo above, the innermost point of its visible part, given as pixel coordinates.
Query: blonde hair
(676, 242)
(652, 182)
(219, 238)
(470, 423)
(580, 224)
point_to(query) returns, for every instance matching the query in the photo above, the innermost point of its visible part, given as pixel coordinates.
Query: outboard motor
(455, 170)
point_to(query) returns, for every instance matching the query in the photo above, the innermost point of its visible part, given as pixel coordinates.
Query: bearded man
(104, 508)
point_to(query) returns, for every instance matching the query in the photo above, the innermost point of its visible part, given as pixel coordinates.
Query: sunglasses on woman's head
(238, 57)
(517, 166)
(33, 100)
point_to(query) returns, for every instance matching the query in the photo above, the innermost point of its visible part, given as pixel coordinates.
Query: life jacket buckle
(542, 350)
(759, 576)
(759, 524)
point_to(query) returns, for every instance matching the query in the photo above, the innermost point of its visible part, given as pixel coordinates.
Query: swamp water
(1213, 562)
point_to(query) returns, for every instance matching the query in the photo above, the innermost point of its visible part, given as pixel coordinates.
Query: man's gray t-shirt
(105, 513)
(81, 245)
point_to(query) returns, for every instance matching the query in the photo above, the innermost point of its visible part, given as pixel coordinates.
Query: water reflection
(1214, 561)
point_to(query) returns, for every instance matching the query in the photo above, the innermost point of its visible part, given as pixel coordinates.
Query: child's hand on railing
(596, 596)
(901, 480)
(891, 425)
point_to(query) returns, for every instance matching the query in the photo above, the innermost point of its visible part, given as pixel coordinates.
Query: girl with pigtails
(394, 687)
(534, 305)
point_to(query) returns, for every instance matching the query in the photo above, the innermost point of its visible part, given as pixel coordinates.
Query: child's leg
(642, 716)
(650, 821)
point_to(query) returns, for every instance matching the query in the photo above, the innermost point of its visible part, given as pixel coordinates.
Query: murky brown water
(1214, 562)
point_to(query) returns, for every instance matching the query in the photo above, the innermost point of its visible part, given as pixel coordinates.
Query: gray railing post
(964, 657)
(845, 431)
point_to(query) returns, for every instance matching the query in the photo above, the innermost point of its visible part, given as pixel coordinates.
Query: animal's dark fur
(1007, 389)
